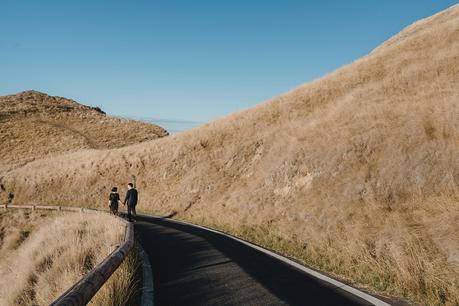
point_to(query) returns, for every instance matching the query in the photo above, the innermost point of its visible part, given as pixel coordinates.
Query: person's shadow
(169, 216)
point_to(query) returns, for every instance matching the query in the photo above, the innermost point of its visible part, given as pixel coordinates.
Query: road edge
(147, 298)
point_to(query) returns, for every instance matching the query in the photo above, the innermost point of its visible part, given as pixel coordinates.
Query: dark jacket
(114, 198)
(131, 197)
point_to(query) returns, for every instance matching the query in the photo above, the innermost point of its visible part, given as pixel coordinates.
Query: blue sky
(188, 60)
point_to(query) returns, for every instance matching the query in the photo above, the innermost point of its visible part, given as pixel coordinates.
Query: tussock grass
(58, 250)
(123, 287)
(356, 173)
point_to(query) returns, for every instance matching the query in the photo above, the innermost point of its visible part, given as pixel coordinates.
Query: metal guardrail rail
(84, 290)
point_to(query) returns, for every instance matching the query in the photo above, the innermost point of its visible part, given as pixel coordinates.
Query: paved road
(192, 266)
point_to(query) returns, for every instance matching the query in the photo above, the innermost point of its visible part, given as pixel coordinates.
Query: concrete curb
(147, 298)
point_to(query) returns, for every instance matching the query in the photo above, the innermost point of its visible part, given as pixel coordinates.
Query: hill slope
(356, 173)
(34, 125)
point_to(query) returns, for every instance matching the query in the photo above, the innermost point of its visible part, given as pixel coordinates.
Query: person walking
(113, 201)
(131, 200)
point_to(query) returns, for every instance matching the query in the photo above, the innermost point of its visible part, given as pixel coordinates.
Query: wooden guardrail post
(83, 291)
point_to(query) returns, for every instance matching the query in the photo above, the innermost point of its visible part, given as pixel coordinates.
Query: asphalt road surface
(192, 266)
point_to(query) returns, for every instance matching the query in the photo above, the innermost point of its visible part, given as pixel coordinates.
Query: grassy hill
(34, 125)
(356, 173)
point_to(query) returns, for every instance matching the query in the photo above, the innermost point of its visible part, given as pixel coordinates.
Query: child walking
(113, 201)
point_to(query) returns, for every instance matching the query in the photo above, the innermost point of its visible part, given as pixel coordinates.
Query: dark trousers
(114, 209)
(131, 211)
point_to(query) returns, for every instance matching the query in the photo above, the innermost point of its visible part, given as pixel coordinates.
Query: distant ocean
(171, 125)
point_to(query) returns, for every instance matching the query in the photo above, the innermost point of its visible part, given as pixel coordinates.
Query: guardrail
(83, 291)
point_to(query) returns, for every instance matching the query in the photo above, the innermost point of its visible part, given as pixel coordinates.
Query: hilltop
(356, 174)
(34, 125)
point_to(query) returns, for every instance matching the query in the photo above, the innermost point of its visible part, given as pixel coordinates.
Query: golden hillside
(356, 173)
(34, 125)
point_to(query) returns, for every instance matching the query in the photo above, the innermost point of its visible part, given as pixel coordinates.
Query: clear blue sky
(188, 60)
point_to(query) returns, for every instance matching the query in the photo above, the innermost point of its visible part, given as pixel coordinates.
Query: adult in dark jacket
(131, 201)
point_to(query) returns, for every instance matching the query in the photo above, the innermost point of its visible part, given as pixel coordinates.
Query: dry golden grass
(356, 173)
(42, 254)
(123, 287)
(34, 125)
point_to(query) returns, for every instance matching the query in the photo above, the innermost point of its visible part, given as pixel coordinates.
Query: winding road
(194, 266)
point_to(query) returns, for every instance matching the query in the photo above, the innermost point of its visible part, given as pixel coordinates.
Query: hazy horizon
(171, 125)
